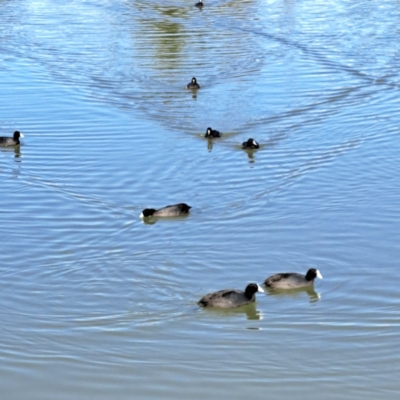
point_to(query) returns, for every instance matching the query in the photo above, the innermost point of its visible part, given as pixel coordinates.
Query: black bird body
(11, 141)
(292, 280)
(250, 144)
(231, 298)
(212, 133)
(169, 211)
(193, 84)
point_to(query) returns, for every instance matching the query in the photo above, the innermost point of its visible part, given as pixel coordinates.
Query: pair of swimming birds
(232, 298)
(249, 144)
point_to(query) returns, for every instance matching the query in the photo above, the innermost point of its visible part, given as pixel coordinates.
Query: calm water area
(97, 304)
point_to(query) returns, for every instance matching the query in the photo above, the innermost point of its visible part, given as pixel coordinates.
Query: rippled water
(96, 304)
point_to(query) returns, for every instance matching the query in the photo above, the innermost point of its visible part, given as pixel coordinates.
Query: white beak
(319, 275)
(141, 215)
(260, 289)
(21, 135)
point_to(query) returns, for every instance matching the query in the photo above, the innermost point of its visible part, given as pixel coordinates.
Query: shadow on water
(296, 293)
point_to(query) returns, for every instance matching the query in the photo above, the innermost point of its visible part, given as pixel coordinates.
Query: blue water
(94, 303)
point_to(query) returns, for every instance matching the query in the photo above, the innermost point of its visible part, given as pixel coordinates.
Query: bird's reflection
(153, 220)
(16, 170)
(250, 310)
(313, 296)
(15, 149)
(210, 144)
(250, 154)
(252, 313)
(193, 92)
(17, 152)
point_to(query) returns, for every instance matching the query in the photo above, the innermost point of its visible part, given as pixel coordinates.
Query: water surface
(94, 303)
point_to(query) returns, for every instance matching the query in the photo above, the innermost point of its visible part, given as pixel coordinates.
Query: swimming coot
(168, 211)
(250, 144)
(11, 141)
(292, 280)
(193, 84)
(230, 298)
(199, 4)
(212, 133)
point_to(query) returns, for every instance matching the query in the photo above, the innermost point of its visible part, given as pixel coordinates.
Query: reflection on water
(250, 154)
(295, 293)
(153, 220)
(17, 153)
(15, 167)
(169, 44)
(250, 310)
(161, 30)
(15, 149)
